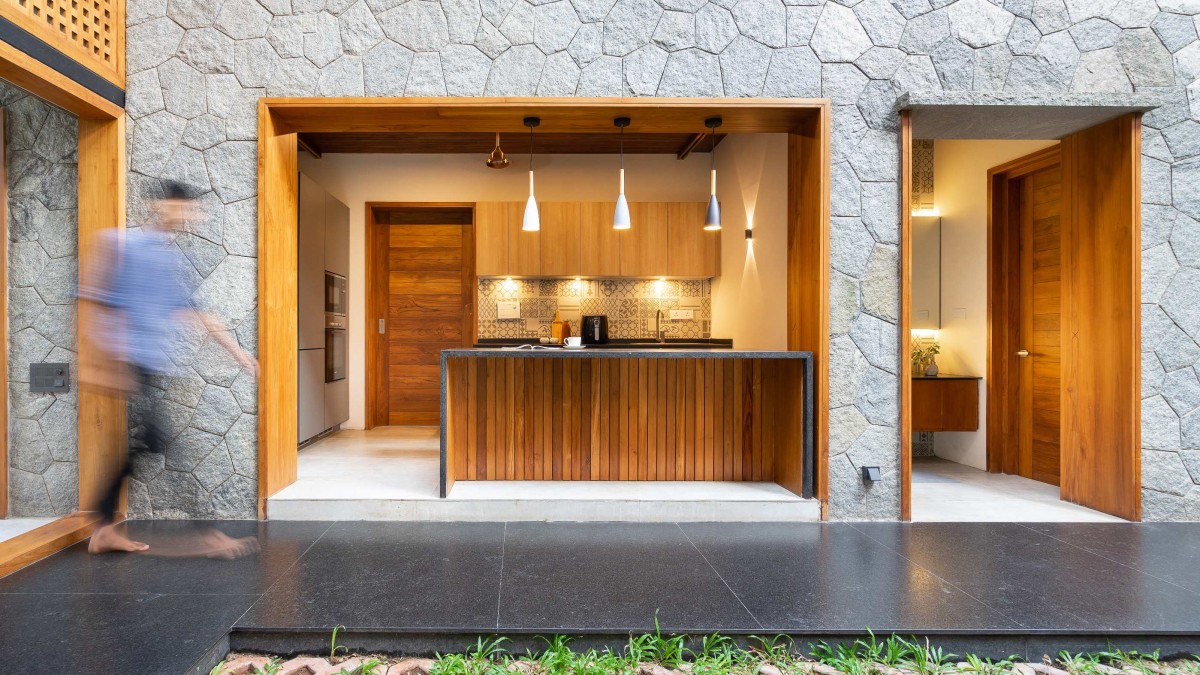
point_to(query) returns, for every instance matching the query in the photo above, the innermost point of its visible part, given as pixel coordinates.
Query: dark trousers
(153, 440)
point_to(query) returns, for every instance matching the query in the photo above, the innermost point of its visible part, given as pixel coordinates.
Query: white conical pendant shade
(621, 213)
(712, 219)
(532, 222)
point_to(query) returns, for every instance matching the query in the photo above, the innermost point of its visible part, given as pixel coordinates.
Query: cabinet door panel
(524, 258)
(337, 236)
(601, 244)
(694, 251)
(945, 405)
(491, 239)
(310, 265)
(644, 246)
(559, 239)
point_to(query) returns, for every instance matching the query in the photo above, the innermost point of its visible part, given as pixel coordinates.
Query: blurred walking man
(138, 306)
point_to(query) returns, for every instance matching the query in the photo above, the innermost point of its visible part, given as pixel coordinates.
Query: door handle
(382, 327)
(1023, 353)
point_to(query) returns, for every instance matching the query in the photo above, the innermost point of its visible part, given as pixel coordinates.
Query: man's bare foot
(106, 539)
(224, 547)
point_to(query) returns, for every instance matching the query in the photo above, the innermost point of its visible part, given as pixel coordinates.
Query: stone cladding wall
(41, 142)
(197, 68)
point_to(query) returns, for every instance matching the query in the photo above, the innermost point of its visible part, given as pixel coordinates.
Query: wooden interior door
(429, 279)
(1024, 382)
(1066, 223)
(1040, 275)
(1101, 310)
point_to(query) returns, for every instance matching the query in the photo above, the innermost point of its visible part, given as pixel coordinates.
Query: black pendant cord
(712, 149)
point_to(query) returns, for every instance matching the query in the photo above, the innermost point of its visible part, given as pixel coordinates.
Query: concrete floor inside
(14, 527)
(392, 473)
(945, 491)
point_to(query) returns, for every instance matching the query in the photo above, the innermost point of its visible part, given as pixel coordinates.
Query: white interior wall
(960, 195)
(356, 179)
(749, 300)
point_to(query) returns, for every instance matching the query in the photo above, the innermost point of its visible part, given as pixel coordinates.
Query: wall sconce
(749, 234)
(871, 474)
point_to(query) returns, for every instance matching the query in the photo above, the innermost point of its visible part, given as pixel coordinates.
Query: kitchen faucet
(658, 331)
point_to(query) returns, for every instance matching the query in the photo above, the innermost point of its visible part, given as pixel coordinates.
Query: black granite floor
(137, 613)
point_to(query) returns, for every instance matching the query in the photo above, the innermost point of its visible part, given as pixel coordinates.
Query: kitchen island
(636, 414)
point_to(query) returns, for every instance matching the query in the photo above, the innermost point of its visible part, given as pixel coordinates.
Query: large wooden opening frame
(101, 184)
(1100, 427)
(806, 121)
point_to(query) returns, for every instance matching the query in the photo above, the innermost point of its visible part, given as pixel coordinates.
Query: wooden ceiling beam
(558, 115)
(696, 144)
(306, 145)
(436, 142)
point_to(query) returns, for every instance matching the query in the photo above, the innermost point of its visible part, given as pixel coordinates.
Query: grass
(720, 655)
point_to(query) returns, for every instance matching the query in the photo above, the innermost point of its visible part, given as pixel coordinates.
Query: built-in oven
(335, 348)
(336, 298)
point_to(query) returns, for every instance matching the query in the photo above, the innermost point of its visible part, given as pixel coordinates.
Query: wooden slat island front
(627, 415)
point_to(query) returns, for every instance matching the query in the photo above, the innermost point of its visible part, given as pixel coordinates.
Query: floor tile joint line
(500, 580)
(936, 575)
(1104, 557)
(295, 562)
(714, 569)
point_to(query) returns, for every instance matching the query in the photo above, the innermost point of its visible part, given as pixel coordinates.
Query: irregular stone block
(838, 35)
(419, 25)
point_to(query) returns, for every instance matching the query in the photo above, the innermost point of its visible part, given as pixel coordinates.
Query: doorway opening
(1021, 294)
(417, 298)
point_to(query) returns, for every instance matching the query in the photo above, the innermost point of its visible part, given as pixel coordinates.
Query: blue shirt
(145, 293)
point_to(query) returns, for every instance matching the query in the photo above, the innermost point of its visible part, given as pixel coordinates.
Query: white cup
(573, 341)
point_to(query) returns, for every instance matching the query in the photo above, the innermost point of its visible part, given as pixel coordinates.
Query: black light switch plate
(49, 378)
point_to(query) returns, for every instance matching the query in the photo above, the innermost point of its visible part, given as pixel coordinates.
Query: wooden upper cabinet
(644, 246)
(694, 251)
(578, 239)
(560, 240)
(524, 258)
(491, 239)
(600, 244)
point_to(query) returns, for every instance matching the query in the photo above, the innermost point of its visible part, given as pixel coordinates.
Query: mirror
(926, 273)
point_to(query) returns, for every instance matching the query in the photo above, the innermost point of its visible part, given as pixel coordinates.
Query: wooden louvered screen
(658, 419)
(92, 32)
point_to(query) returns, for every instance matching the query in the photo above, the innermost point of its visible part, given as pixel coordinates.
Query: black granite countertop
(633, 351)
(620, 343)
(947, 377)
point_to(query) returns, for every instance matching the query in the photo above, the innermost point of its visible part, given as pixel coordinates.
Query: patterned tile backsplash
(629, 304)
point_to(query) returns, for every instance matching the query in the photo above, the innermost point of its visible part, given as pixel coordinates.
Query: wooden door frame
(905, 310)
(1002, 383)
(806, 121)
(101, 425)
(375, 349)
(4, 468)
(1125, 395)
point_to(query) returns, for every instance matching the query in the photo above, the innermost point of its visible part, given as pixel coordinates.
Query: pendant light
(712, 219)
(531, 222)
(621, 213)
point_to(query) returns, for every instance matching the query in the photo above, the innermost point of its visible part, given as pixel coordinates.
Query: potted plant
(923, 353)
